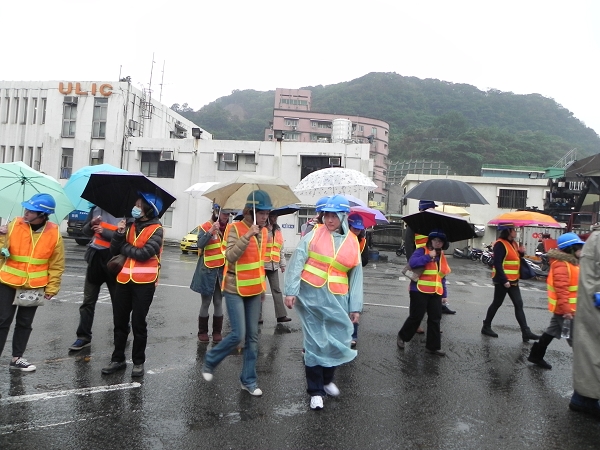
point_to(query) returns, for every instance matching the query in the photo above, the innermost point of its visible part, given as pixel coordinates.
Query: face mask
(136, 212)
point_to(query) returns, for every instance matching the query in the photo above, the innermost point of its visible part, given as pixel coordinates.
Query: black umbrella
(116, 193)
(447, 191)
(284, 210)
(455, 227)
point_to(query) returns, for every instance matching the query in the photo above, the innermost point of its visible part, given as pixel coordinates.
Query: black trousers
(515, 296)
(317, 377)
(132, 299)
(25, 315)
(420, 304)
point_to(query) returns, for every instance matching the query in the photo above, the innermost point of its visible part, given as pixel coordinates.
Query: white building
(57, 127)
(503, 194)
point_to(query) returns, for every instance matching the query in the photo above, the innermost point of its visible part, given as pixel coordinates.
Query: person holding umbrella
(274, 261)
(34, 258)
(427, 292)
(208, 276)
(100, 226)
(324, 281)
(244, 246)
(505, 276)
(140, 242)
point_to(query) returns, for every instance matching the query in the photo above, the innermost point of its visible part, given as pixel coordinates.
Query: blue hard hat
(154, 201)
(568, 239)
(426, 204)
(40, 203)
(259, 200)
(356, 221)
(216, 206)
(321, 202)
(438, 234)
(336, 203)
(506, 226)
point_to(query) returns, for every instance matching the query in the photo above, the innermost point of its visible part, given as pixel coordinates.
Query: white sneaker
(316, 402)
(207, 376)
(256, 391)
(22, 365)
(331, 389)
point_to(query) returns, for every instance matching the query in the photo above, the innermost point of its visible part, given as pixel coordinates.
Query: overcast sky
(210, 48)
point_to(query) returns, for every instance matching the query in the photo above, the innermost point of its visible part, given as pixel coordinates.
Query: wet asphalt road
(482, 395)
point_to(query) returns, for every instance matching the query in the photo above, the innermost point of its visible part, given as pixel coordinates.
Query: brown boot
(217, 327)
(203, 330)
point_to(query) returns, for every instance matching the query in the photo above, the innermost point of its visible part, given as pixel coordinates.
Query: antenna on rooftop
(162, 82)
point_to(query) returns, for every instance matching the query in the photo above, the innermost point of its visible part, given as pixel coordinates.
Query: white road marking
(67, 392)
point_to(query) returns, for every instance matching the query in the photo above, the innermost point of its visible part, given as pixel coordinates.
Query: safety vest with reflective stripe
(249, 269)
(141, 272)
(420, 240)
(362, 244)
(325, 265)
(213, 251)
(573, 272)
(99, 240)
(29, 258)
(511, 261)
(430, 281)
(274, 246)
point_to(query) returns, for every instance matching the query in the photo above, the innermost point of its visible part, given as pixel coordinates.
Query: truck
(75, 223)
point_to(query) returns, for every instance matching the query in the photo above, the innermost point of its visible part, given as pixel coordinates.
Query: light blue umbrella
(78, 181)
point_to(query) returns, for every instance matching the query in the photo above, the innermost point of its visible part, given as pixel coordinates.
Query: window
(44, 102)
(312, 163)
(29, 158)
(99, 124)
(11, 154)
(152, 166)
(69, 116)
(37, 162)
(386, 132)
(293, 101)
(313, 124)
(6, 110)
(21, 155)
(512, 198)
(292, 136)
(361, 128)
(2, 153)
(24, 110)
(227, 161)
(34, 110)
(16, 111)
(291, 122)
(167, 218)
(324, 125)
(66, 163)
(374, 131)
(304, 214)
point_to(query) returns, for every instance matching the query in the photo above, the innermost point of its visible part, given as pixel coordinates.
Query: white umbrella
(335, 180)
(196, 190)
(233, 194)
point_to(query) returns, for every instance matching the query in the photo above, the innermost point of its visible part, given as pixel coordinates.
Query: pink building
(294, 121)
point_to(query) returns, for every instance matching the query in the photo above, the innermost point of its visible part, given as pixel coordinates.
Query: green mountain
(432, 119)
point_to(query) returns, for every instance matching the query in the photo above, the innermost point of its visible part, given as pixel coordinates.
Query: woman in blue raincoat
(324, 281)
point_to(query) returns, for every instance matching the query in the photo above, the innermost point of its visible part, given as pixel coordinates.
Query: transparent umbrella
(335, 180)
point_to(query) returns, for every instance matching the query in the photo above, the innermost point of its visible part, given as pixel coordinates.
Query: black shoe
(487, 330)
(284, 319)
(446, 310)
(113, 366)
(138, 370)
(527, 334)
(400, 343)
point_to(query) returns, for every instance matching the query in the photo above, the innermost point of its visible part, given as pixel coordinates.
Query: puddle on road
(291, 410)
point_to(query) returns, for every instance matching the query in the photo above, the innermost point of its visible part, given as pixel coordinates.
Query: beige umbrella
(455, 210)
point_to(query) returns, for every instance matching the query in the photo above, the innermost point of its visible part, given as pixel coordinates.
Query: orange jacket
(249, 269)
(325, 265)
(562, 282)
(213, 250)
(141, 272)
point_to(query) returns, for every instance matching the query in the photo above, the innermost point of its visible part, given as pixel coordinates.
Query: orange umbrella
(526, 218)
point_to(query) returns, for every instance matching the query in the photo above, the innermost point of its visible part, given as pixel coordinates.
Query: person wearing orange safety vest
(324, 281)
(505, 276)
(100, 226)
(357, 227)
(33, 258)
(140, 241)
(562, 284)
(208, 275)
(274, 261)
(427, 292)
(244, 246)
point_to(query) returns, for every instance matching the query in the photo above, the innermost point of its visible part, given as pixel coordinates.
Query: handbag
(115, 264)
(29, 297)
(526, 272)
(411, 273)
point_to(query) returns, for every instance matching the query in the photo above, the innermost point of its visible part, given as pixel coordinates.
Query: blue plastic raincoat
(326, 327)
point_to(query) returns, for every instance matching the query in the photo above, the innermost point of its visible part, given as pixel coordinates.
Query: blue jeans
(243, 317)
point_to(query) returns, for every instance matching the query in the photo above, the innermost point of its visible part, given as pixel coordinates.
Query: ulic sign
(104, 89)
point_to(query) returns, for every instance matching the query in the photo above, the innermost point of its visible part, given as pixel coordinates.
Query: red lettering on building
(105, 89)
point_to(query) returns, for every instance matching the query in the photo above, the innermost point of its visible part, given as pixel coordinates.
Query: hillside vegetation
(456, 123)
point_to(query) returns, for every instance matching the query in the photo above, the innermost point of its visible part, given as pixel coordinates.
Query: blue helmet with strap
(426, 204)
(154, 201)
(568, 239)
(321, 202)
(337, 203)
(43, 203)
(438, 234)
(506, 226)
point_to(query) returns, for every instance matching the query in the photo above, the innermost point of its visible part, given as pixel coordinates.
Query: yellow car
(189, 243)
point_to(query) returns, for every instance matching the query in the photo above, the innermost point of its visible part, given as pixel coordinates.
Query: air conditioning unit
(167, 155)
(229, 157)
(97, 154)
(133, 125)
(335, 162)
